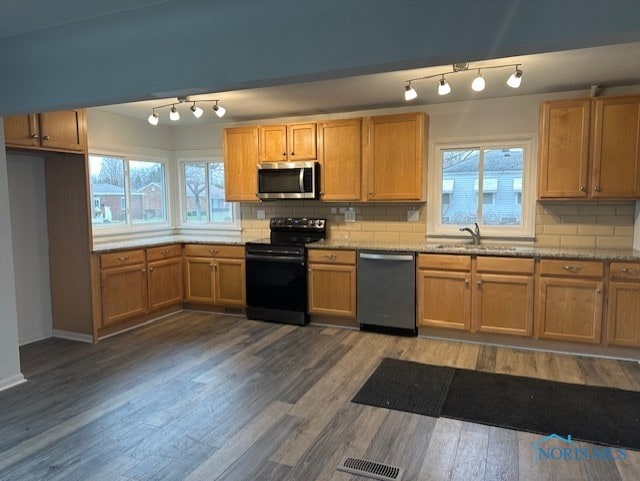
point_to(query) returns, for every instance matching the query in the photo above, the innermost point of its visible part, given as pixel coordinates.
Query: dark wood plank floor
(200, 396)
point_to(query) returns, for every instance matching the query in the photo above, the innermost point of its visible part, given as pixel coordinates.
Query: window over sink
(490, 183)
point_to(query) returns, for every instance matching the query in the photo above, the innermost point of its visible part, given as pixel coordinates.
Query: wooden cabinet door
(564, 149)
(273, 143)
(63, 130)
(332, 290)
(199, 280)
(165, 283)
(504, 304)
(444, 299)
(623, 318)
(570, 309)
(124, 293)
(21, 130)
(240, 153)
(302, 142)
(339, 152)
(230, 282)
(395, 157)
(616, 148)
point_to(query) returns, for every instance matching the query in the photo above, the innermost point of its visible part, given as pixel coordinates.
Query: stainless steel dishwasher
(386, 285)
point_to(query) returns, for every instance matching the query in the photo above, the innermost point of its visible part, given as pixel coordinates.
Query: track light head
(219, 110)
(478, 83)
(174, 114)
(197, 111)
(516, 78)
(153, 118)
(443, 86)
(409, 92)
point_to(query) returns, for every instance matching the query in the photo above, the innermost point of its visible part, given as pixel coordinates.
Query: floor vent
(370, 469)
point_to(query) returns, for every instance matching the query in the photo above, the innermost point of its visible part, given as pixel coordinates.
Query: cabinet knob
(598, 290)
(46, 137)
(583, 188)
(150, 269)
(35, 136)
(144, 270)
(293, 153)
(478, 283)
(596, 188)
(466, 282)
(211, 264)
(284, 154)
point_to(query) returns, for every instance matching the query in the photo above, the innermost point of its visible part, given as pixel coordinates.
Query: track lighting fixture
(478, 84)
(219, 110)
(174, 115)
(409, 92)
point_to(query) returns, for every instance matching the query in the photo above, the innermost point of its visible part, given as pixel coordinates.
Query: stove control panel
(297, 223)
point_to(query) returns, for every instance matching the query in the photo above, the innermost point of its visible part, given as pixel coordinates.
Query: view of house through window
(482, 185)
(203, 192)
(125, 192)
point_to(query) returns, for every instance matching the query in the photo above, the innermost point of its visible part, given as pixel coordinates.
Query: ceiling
(608, 66)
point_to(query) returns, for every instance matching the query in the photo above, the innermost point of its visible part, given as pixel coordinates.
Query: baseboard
(73, 336)
(35, 338)
(11, 381)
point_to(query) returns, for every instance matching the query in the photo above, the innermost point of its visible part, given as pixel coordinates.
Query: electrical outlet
(260, 214)
(413, 216)
(350, 215)
(334, 210)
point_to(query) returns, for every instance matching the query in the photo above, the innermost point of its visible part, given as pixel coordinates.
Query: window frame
(526, 231)
(208, 225)
(102, 233)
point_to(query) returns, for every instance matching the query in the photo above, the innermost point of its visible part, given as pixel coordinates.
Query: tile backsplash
(558, 224)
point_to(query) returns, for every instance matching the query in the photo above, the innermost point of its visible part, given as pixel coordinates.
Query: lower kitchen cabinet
(164, 276)
(504, 295)
(623, 316)
(215, 274)
(332, 283)
(570, 300)
(123, 282)
(444, 291)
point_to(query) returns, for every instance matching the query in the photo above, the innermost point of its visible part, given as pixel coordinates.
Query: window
(127, 192)
(483, 184)
(203, 194)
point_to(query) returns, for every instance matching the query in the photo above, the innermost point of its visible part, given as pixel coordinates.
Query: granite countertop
(488, 248)
(101, 248)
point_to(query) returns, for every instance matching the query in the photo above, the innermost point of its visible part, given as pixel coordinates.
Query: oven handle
(301, 180)
(276, 258)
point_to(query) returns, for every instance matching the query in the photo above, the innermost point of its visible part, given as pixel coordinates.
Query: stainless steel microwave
(289, 180)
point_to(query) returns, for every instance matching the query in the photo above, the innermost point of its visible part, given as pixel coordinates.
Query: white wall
(9, 355)
(27, 201)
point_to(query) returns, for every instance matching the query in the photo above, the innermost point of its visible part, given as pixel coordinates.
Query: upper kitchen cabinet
(61, 131)
(616, 148)
(240, 152)
(589, 148)
(394, 157)
(339, 153)
(288, 143)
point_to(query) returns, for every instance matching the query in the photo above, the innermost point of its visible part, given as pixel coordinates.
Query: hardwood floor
(201, 396)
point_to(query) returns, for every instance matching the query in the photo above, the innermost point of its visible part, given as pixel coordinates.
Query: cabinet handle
(213, 252)
(596, 188)
(46, 137)
(166, 252)
(123, 258)
(572, 269)
(331, 257)
(583, 188)
(633, 272)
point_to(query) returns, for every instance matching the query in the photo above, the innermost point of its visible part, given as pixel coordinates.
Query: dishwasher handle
(387, 257)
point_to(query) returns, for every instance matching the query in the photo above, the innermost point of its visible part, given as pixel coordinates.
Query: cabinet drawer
(569, 268)
(214, 250)
(330, 256)
(163, 252)
(625, 270)
(444, 262)
(122, 258)
(504, 264)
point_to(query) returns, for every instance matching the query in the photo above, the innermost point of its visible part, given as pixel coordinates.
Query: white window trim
(131, 230)
(434, 199)
(208, 226)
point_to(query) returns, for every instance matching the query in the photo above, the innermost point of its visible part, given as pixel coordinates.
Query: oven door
(277, 285)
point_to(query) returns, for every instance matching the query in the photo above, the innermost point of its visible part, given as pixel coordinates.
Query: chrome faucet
(474, 233)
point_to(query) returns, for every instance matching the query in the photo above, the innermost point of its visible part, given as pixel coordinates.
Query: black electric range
(276, 270)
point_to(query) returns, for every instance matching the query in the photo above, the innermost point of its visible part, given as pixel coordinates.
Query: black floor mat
(407, 386)
(595, 414)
